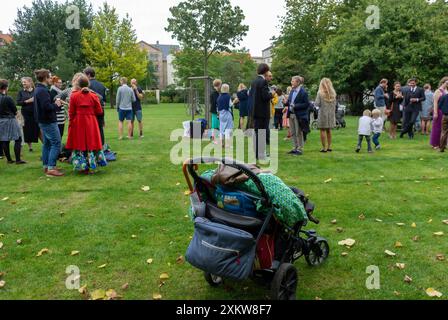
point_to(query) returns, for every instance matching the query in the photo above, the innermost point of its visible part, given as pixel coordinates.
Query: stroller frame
(282, 277)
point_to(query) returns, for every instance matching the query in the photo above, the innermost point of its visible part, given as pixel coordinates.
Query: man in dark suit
(100, 90)
(261, 110)
(412, 107)
(298, 106)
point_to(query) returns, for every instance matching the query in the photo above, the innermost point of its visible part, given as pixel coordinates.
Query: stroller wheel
(213, 280)
(319, 252)
(284, 284)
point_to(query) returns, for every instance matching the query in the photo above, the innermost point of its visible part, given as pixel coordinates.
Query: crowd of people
(415, 108)
(46, 108)
(264, 107)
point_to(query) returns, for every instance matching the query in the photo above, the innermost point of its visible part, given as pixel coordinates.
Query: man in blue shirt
(381, 97)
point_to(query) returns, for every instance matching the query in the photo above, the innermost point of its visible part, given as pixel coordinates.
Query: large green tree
(410, 42)
(207, 26)
(38, 31)
(304, 28)
(111, 48)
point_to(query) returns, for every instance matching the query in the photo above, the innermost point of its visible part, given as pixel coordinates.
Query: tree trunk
(112, 102)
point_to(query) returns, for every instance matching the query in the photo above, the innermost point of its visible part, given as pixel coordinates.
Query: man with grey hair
(125, 99)
(298, 105)
(137, 107)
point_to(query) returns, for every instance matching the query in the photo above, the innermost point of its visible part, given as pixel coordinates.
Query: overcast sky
(150, 18)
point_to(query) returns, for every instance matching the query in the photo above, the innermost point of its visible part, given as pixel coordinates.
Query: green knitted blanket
(288, 207)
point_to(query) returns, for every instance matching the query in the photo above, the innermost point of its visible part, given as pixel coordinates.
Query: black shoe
(292, 152)
(20, 162)
(11, 162)
(358, 150)
(323, 151)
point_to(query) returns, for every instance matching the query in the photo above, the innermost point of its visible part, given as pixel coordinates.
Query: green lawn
(98, 216)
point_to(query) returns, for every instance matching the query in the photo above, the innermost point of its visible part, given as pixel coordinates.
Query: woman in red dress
(84, 137)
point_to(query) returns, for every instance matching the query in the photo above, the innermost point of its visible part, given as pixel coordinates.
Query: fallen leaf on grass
(2, 284)
(99, 294)
(111, 294)
(430, 221)
(328, 180)
(397, 293)
(445, 222)
(1, 245)
(187, 193)
(74, 253)
(440, 257)
(378, 220)
(347, 242)
(433, 293)
(407, 279)
(134, 236)
(83, 289)
(102, 266)
(414, 225)
(439, 234)
(164, 276)
(145, 188)
(390, 253)
(180, 260)
(416, 238)
(2, 218)
(334, 221)
(149, 261)
(5, 199)
(340, 230)
(42, 252)
(19, 241)
(125, 286)
(400, 266)
(344, 254)
(362, 217)
(178, 184)
(157, 296)
(398, 244)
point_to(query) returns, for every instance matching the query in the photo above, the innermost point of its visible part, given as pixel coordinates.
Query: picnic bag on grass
(221, 250)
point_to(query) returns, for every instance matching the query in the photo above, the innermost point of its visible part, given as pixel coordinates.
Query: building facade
(5, 39)
(161, 56)
(267, 56)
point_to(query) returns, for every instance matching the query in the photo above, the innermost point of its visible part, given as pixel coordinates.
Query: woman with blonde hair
(326, 102)
(436, 132)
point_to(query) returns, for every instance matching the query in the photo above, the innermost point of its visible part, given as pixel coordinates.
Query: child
(365, 131)
(278, 118)
(377, 128)
(225, 115)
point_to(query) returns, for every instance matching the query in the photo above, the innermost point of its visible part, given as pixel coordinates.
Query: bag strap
(265, 224)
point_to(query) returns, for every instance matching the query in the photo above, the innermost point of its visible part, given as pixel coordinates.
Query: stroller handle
(191, 166)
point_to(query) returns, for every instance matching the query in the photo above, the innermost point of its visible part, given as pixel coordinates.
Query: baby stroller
(340, 117)
(256, 246)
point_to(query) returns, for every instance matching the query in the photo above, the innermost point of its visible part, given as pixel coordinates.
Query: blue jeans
(376, 139)
(52, 144)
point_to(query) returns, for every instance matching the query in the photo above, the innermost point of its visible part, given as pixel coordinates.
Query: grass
(97, 216)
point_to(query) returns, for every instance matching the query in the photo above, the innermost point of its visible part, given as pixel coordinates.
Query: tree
(305, 28)
(111, 48)
(233, 68)
(151, 80)
(37, 32)
(63, 66)
(409, 43)
(207, 26)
